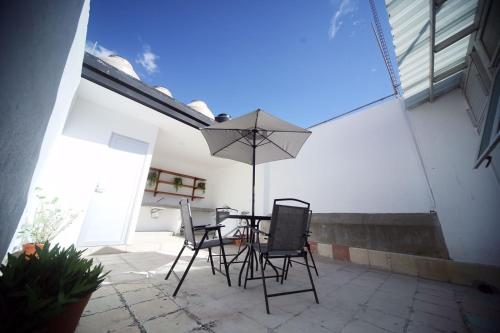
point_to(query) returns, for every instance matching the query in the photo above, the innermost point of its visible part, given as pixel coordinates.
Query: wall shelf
(160, 181)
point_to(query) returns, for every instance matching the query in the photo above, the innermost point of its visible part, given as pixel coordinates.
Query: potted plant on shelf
(49, 221)
(48, 292)
(152, 179)
(201, 186)
(177, 183)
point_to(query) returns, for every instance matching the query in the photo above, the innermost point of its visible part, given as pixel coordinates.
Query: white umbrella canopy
(255, 138)
(275, 139)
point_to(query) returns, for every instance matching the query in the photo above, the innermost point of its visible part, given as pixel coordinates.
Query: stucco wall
(365, 162)
(75, 164)
(43, 46)
(467, 200)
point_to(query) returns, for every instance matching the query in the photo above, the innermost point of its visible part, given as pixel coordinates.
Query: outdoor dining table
(252, 222)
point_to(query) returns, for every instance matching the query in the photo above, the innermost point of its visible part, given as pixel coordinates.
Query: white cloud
(345, 7)
(97, 50)
(373, 70)
(147, 59)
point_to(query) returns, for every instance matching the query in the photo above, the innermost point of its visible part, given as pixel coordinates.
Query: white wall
(74, 165)
(48, 37)
(364, 162)
(167, 219)
(467, 200)
(176, 164)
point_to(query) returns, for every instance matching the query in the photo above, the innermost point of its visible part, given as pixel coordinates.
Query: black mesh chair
(286, 239)
(191, 243)
(308, 247)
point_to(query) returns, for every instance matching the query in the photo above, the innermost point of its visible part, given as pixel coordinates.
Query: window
(490, 134)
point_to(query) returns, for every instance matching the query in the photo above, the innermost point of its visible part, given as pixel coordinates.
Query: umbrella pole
(253, 172)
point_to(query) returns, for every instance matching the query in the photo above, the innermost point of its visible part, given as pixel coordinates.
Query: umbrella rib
(241, 129)
(281, 148)
(265, 138)
(227, 146)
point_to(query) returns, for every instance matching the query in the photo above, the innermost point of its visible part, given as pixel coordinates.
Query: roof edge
(109, 77)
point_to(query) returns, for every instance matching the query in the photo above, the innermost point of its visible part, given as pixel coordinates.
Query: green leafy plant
(34, 289)
(177, 183)
(152, 178)
(201, 186)
(49, 220)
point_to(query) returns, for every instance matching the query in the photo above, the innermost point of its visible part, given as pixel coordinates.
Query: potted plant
(48, 292)
(49, 221)
(152, 178)
(177, 183)
(201, 186)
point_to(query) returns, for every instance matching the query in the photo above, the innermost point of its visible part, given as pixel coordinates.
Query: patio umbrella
(255, 138)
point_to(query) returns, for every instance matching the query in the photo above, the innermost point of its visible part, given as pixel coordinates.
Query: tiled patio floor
(136, 298)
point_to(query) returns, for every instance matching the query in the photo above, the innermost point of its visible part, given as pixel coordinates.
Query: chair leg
(284, 268)
(185, 272)
(175, 262)
(287, 267)
(264, 284)
(256, 262)
(243, 267)
(311, 279)
(211, 260)
(220, 261)
(312, 258)
(275, 270)
(246, 277)
(226, 268)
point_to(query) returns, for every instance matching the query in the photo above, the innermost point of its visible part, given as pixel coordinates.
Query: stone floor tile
(365, 281)
(437, 322)
(137, 296)
(395, 297)
(178, 322)
(104, 290)
(116, 319)
(153, 308)
(352, 298)
(421, 328)
(382, 320)
(358, 326)
(438, 300)
(438, 310)
(258, 314)
(387, 306)
(128, 329)
(102, 304)
(299, 325)
(126, 287)
(237, 322)
(332, 319)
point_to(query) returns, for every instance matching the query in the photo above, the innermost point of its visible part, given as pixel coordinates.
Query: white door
(110, 210)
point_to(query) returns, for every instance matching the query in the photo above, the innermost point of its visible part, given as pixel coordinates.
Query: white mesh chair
(191, 243)
(287, 239)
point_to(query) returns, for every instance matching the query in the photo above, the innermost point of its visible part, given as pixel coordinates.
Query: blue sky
(304, 61)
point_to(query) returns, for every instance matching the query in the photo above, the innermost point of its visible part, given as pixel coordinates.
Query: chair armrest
(212, 227)
(200, 227)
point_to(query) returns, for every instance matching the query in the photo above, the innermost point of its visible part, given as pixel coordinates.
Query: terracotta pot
(30, 248)
(66, 321)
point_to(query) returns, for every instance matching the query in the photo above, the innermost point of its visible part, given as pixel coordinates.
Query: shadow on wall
(38, 43)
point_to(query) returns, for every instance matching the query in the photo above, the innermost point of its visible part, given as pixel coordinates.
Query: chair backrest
(222, 213)
(288, 229)
(187, 222)
(309, 217)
